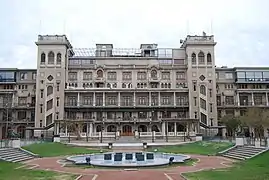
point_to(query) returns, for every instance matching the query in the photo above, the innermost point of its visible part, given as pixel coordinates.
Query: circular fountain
(128, 159)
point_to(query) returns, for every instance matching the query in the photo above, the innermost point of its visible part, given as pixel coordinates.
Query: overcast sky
(241, 27)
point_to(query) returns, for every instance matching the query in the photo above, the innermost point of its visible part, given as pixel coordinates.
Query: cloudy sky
(241, 27)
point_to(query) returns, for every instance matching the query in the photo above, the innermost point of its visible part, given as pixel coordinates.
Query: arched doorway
(181, 128)
(127, 130)
(142, 128)
(111, 128)
(21, 131)
(155, 128)
(84, 128)
(98, 128)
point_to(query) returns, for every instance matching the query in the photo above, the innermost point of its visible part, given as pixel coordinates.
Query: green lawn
(201, 147)
(253, 169)
(57, 149)
(8, 172)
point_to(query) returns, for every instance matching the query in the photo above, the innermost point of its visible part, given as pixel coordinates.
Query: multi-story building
(106, 89)
(17, 100)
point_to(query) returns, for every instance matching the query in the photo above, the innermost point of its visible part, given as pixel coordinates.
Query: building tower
(201, 79)
(52, 62)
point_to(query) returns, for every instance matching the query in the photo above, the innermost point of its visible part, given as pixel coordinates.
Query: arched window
(208, 58)
(138, 85)
(154, 74)
(123, 85)
(43, 58)
(203, 89)
(51, 58)
(59, 58)
(99, 73)
(201, 58)
(108, 85)
(193, 58)
(49, 90)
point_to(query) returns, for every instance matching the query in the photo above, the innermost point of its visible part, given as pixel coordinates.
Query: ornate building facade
(109, 90)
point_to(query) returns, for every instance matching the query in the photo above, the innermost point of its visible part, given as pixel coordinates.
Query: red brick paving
(205, 162)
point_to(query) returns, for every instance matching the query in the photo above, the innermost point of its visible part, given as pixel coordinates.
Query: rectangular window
(194, 85)
(23, 76)
(141, 75)
(87, 75)
(142, 100)
(126, 76)
(112, 76)
(72, 75)
(165, 75)
(57, 102)
(203, 103)
(228, 75)
(112, 100)
(34, 75)
(211, 107)
(180, 75)
(49, 104)
(87, 100)
(195, 101)
(58, 87)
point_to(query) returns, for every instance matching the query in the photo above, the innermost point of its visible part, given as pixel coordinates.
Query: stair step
(240, 155)
(245, 152)
(14, 155)
(233, 157)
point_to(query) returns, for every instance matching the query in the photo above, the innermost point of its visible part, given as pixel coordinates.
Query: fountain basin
(128, 159)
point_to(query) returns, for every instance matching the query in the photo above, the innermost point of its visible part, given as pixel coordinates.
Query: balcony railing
(125, 104)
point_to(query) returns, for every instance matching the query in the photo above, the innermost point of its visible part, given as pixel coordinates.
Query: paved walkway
(174, 173)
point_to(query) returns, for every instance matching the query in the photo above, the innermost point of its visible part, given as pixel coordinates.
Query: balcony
(127, 104)
(182, 104)
(154, 79)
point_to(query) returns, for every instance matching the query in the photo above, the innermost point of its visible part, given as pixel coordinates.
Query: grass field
(8, 172)
(253, 169)
(57, 149)
(201, 147)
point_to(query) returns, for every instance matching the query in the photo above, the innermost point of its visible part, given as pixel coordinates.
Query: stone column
(175, 99)
(91, 130)
(149, 103)
(78, 99)
(175, 128)
(104, 99)
(266, 96)
(252, 99)
(65, 129)
(119, 99)
(159, 98)
(134, 103)
(94, 99)
(163, 128)
(238, 99)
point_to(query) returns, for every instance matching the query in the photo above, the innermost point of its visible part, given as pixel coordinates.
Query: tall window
(208, 58)
(59, 58)
(203, 89)
(43, 58)
(51, 58)
(49, 90)
(201, 58)
(193, 58)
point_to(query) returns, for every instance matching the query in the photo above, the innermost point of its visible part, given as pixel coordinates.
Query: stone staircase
(15, 155)
(243, 152)
(128, 139)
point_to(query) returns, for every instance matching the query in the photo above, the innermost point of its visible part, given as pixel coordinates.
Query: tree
(232, 123)
(75, 127)
(256, 118)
